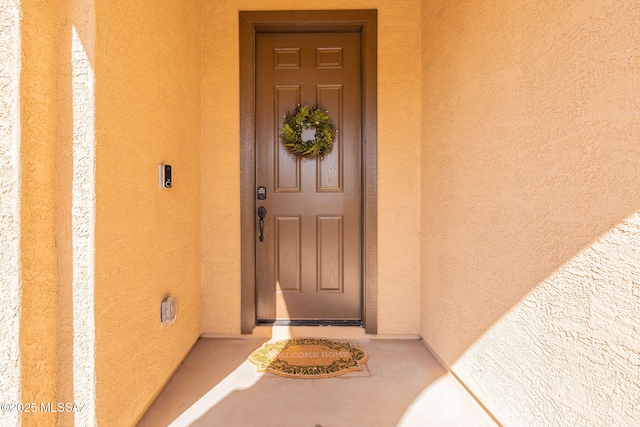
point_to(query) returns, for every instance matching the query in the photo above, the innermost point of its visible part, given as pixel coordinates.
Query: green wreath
(308, 118)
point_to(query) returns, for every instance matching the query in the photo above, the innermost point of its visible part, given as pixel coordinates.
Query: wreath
(308, 132)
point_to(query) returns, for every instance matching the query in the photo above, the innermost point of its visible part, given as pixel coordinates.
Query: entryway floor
(402, 385)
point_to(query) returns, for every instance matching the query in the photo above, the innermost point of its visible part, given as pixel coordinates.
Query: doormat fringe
(308, 358)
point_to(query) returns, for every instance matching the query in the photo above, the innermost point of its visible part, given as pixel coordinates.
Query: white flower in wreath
(308, 132)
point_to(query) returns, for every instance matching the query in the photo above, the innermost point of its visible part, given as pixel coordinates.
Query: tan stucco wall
(75, 209)
(398, 162)
(94, 96)
(530, 229)
(147, 239)
(10, 191)
(39, 326)
(28, 259)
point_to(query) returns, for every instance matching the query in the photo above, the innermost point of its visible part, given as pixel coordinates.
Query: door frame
(365, 22)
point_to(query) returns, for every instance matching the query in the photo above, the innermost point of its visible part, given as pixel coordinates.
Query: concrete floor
(403, 385)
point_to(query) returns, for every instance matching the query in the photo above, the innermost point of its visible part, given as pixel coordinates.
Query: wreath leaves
(303, 117)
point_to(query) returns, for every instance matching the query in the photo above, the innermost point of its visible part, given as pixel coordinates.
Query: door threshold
(317, 329)
(309, 323)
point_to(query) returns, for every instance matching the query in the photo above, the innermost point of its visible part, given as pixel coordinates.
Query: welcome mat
(308, 358)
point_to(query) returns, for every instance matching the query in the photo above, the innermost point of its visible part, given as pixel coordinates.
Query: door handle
(262, 213)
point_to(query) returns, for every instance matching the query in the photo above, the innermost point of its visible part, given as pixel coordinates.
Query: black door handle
(262, 213)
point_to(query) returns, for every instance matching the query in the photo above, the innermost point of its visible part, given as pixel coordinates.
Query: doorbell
(164, 173)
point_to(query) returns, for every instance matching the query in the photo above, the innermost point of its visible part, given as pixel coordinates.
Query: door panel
(330, 170)
(330, 253)
(288, 241)
(287, 173)
(309, 265)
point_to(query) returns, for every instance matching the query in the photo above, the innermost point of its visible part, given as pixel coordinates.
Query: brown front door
(308, 267)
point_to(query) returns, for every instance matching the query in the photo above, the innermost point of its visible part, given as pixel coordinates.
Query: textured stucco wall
(76, 209)
(398, 165)
(94, 96)
(147, 239)
(530, 232)
(10, 277)
(39, 326)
